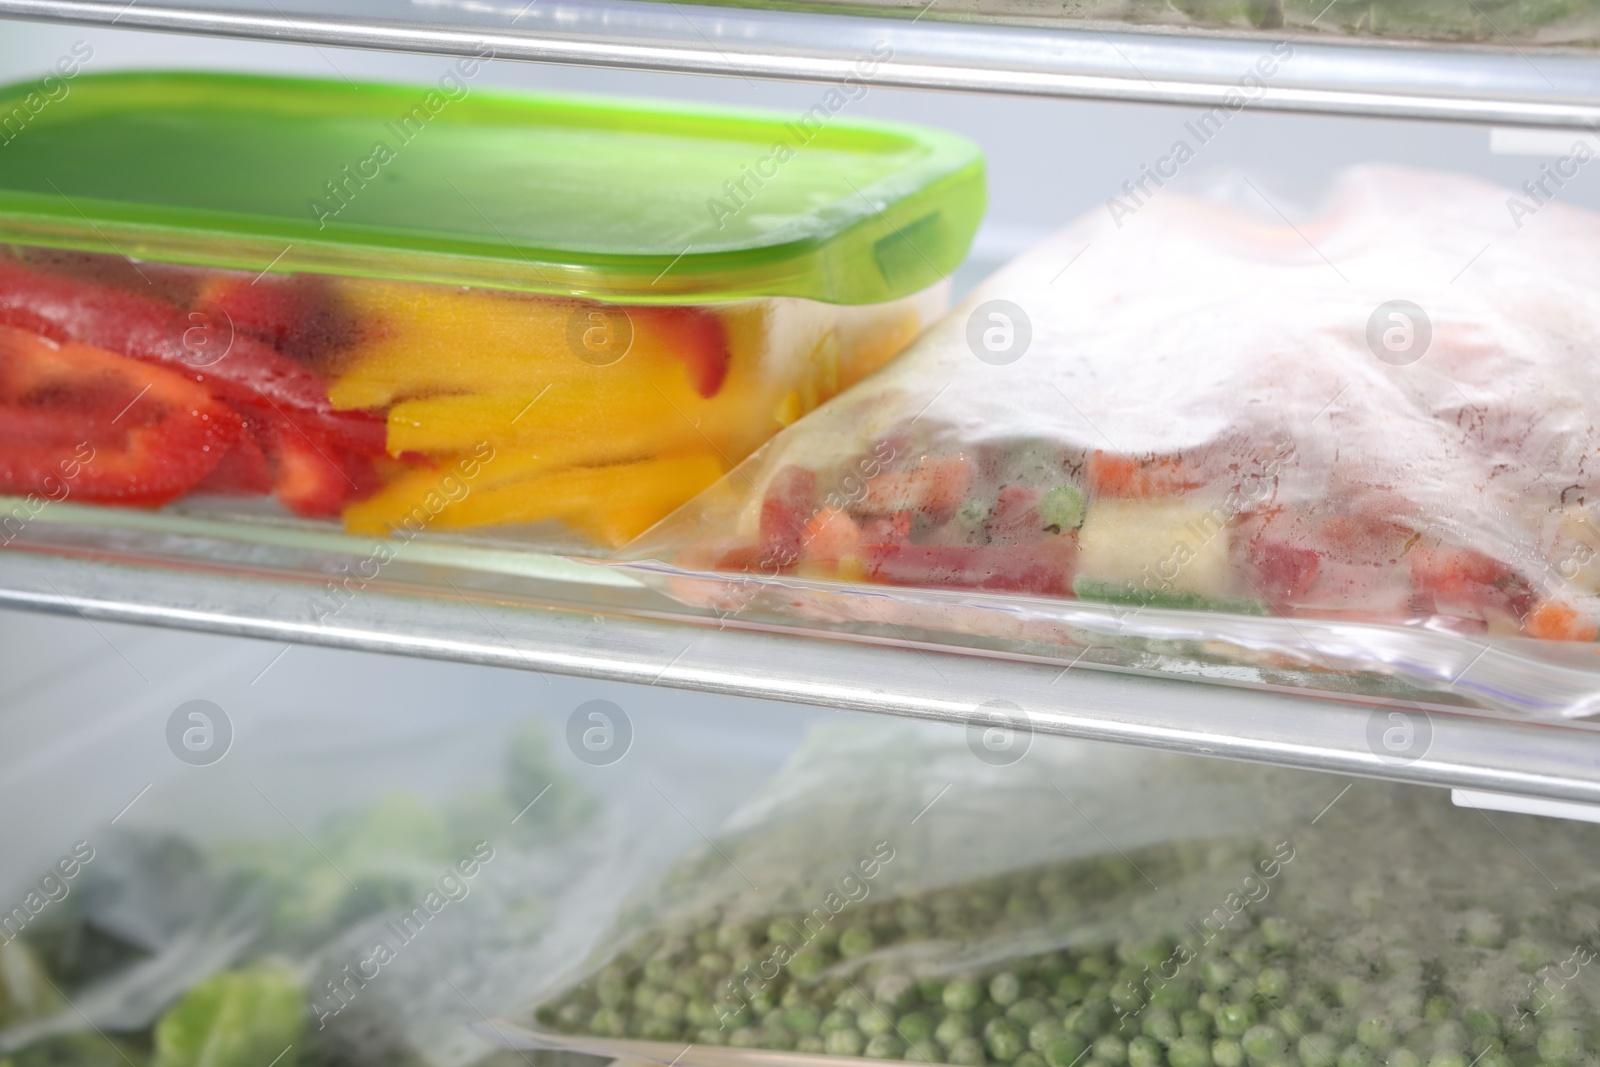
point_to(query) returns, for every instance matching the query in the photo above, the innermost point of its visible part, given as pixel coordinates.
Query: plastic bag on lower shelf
(1353, 453)
(356, 881)
(894, 897)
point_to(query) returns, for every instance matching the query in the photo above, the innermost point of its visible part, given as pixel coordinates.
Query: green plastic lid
(449, 183)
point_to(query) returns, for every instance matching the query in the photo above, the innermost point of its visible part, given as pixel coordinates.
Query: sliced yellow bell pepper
(613, 503)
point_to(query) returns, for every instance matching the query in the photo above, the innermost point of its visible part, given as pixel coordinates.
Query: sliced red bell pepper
(293, 313)
(1017, 568)
(1015, 518)
(695, 335)
(243, 471)
(1282, 572)
(251, 374)
(78, 421)
(1463, 579)
(1135, 477)
(785, 510)
(311, 474)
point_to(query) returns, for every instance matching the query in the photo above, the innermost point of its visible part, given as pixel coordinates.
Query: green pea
(1087, 1019)
(745, 1037)
(952, 1028)
(856, 941)
(884, 1047)
(761, 1002)
(1072, 987)
(921, 1054)
(837, 1019)
(608, 1022)
(1005, 988)
(1278, 934)
(776, 1038)
(1273, 983)
(1004, 1041)
(668, 1007)
(1355, 1056)
(873, 1022)
(1026, 1012)
(1127, 996)
(968, 1052)
(571, 1016)
(1561, 1044)
(1062, 507)
(1447, 1059)
(1403, 1057)
(1161, 1025)
(1450, 1036)
(1189, 1052)
(1111, 1049)
(1376, 1033)
(1318, 1050)
(1264, 1044)
(1350, 990)
(807, 964)
(1144, 1052)
(1483, 928)
(1094, 965)
(931, 990)
(1226, 1052)
(802, 1019)
(1045, 1032)
(1065, 1051)
(1029, 1059)
(962, 994)
(1209, 1002)
(916, 1027)
(1218, 973)
(1234, 1019)
(846, 1042)
(810, 1043)
(1173, 996)
(895, 992)
(1481, 1022)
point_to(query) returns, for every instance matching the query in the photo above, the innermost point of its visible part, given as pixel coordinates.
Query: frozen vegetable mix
(532, 312)
(1375, 424)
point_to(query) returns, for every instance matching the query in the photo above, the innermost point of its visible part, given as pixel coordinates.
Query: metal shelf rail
(1550, 761)
(1505, 86)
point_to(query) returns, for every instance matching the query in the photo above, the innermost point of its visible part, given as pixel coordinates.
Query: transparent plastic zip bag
(892, 857)
(1095, 906)
(355, 879)
(1354, 452)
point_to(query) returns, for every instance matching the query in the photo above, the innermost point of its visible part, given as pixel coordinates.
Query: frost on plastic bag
(1105, 908)
(1354, 453)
